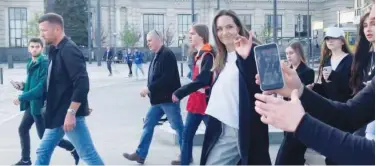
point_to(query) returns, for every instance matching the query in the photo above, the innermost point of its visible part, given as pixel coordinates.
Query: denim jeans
(139, 67)
(24, 131)
(155, 113)
(192, 123)
(80, 138)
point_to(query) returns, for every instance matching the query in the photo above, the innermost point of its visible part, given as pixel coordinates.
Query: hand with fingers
(292, 81)
(285, 115)
(243, 45)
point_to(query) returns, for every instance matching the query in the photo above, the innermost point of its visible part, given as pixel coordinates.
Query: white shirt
(336, 62)
(224, 98)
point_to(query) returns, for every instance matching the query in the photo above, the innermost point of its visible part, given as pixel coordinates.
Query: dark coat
(253, 134)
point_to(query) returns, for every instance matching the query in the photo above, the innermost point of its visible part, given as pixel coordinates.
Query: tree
(130, 36)
(33, 26)
(168, 36)
(74, 13)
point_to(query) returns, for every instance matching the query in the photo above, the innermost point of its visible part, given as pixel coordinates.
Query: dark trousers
(192, 123)
(130, 68)
(292, 152)
(109, 63)
(24, 132)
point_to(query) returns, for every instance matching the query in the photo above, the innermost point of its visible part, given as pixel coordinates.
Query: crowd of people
(127, 56)
(332, 115)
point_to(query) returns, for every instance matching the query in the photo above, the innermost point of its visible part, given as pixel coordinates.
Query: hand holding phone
(326, 71)
(17, 85)
(268, 62)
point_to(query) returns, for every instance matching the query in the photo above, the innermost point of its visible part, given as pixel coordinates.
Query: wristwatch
(72, 111)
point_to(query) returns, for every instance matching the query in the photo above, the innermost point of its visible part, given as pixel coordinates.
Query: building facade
(173, 17)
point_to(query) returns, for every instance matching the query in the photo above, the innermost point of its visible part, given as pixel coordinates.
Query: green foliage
(129, 36)
(75, 17)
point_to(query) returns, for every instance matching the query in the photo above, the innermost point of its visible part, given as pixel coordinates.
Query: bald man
(163, 80)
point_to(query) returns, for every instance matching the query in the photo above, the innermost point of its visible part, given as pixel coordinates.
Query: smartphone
(15, 85)
(268, 62)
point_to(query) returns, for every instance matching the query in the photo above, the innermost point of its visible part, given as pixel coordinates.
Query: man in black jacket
(67, 88)
(108, 57)
(163, 80)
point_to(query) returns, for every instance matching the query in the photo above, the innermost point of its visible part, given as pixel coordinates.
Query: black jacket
(110, 55)
(340, 146)
(306, 74)
(68, 82)
(163, 77)
(203, 79)
(338, 89)
(253, 134)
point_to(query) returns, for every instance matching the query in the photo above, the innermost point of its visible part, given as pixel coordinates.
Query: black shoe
(75, 156)
(23, 162)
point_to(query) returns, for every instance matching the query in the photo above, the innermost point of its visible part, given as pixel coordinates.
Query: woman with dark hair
(235, 133)
(198, 90)
(292, 150)
(363, 67)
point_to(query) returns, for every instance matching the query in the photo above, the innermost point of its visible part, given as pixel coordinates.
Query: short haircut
(52, 18)
(155, 34)
(36, 40)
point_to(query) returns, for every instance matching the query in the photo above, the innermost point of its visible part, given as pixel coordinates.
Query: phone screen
(269, 67)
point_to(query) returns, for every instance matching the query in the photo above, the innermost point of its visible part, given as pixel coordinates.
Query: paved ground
(115, 124)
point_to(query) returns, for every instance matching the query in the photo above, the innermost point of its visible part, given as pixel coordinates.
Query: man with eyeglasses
(163, 80)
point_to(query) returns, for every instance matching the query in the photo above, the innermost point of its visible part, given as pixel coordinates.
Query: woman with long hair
(292, 150)
(198, 90)
(363, 67)
(296, 59)
(335, 67)
(235, 133)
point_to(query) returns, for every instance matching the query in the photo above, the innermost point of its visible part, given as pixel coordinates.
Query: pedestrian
(163, 80)
(292, 151)
(138, 61)
(234, 134)
(363, 66)
(129, 57)
(32, 101)
(335, 67)
(198, 90)
(67, 89)
(108, 57)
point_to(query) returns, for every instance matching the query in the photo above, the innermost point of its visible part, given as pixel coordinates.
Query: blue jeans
(80, 138)
(192, 123)
(139, 67)
(155, 113)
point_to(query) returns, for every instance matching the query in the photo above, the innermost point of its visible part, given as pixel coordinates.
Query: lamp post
(115, 42)
(181, 42)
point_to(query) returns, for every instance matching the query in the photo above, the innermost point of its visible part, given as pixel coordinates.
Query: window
(184, 23)
(17, 27)
(153, 22)
(246, 20)
(270, 24)
(301, 26)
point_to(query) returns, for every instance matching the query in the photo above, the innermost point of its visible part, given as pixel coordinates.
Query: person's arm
(308, 77)
(340, 147)
(202, 80)
(349, 116)
(76, 67)
(165, 73)
(247, 67)
(38, 91)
